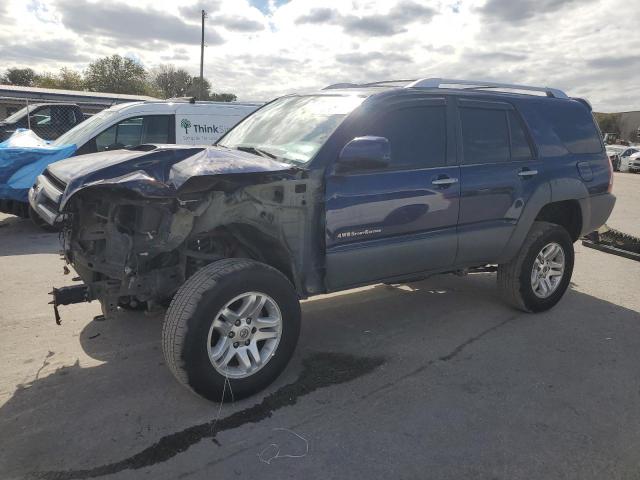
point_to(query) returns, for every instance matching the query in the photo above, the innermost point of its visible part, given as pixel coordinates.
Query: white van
(125, 125)
(179, 121)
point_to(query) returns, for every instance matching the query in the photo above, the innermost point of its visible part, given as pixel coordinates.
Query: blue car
(355, 185)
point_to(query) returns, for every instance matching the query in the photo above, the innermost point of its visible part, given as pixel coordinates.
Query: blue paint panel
(400, 212)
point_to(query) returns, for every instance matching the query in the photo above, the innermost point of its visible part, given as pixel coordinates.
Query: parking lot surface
(437, 379)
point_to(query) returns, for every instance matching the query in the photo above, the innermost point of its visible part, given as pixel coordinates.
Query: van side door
(400, 219)
(499, 172)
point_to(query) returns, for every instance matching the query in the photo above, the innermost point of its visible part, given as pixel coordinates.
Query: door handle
(444, 181)
(525, 172)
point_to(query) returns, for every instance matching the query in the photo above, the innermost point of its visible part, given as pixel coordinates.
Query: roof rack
(438, 82)
(381, 83)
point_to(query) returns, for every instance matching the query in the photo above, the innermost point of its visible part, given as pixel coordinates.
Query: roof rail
(438, 82)
(381, 83)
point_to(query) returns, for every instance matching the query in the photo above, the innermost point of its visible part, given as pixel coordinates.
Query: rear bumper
(596, 211)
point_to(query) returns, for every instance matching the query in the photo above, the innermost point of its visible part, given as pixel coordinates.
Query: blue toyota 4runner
(353, 185)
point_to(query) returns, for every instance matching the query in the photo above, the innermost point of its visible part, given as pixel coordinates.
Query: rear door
(499, 172)
(401, 219)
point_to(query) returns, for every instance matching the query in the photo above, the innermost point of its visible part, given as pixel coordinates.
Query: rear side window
(520, 148)
(485, 135)
(417, 136)
(156, 129)
(573, 125)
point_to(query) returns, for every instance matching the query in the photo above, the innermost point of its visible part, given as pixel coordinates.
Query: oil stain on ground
(319, 370)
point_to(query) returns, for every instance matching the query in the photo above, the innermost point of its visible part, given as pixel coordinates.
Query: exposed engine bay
(134, 241)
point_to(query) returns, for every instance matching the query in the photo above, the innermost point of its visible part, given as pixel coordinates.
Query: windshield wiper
(255, 151)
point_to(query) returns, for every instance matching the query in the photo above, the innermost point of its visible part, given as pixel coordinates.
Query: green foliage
(24, 77)
(608, 122)
(171, 82)
(223, 97)
(116, 74)
(66, 79)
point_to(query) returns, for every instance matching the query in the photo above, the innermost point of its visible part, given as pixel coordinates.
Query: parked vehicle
(329, 191)
(634, 162)
(47, 120)
(619, 155)
(123, 125)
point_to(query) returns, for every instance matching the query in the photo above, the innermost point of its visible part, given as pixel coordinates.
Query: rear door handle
(444, 181)
(526, 172)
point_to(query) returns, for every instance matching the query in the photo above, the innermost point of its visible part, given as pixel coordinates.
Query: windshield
(77, 133)
(291, 129)
(16, 116)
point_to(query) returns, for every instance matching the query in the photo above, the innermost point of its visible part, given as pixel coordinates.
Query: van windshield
(17, 115)
(78, 133)
(291, 129)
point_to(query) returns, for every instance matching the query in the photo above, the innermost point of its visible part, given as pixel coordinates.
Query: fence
(48, 119)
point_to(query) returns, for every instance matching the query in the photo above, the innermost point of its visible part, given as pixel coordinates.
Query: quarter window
(520, 148)
(417, 136)
(485, 135)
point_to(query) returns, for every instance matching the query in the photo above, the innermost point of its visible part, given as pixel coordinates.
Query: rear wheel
(536, 279)
(231, 329)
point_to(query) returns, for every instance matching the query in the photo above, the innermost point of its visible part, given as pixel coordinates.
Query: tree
(24, 77)
(171, 82)
(193, 90)
(46, 80)
(116, 74)
(70, 79)
(66, 79)
(608, 122)
(223, 97)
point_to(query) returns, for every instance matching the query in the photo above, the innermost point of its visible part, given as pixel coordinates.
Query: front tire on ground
(231, 329)
(536, 279)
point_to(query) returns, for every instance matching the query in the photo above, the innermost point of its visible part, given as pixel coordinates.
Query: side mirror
(364, 153)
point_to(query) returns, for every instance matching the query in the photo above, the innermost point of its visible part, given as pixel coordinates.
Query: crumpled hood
(22, 158)
(162, 172)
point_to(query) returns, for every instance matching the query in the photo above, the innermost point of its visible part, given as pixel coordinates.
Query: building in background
(13, 98)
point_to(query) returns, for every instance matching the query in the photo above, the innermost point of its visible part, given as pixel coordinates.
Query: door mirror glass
(364, 153)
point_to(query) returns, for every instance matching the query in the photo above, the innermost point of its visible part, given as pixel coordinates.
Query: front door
(401, 219)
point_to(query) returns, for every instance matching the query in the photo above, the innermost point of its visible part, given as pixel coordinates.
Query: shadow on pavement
(19, 236)
(99, 416)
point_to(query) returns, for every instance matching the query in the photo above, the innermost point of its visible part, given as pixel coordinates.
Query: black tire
(514, 278)
(193, 309)
(39, 222)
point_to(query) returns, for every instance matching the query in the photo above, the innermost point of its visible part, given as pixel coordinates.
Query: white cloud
(259, 49)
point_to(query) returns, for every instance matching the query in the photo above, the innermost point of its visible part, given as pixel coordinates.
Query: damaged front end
(134, 238)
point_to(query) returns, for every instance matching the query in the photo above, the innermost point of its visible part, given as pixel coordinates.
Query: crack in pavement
(319, 370)
(444, 358)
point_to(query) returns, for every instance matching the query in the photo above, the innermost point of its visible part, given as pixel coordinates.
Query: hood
(162, 172)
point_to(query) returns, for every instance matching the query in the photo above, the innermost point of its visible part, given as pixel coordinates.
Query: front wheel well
(246, 241)
(566, 213)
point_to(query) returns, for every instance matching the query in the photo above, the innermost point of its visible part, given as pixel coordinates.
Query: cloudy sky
(259, 49)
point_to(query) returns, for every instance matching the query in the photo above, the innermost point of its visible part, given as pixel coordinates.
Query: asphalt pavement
(432, 380)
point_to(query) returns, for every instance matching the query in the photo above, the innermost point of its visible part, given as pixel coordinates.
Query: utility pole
(204, 15)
